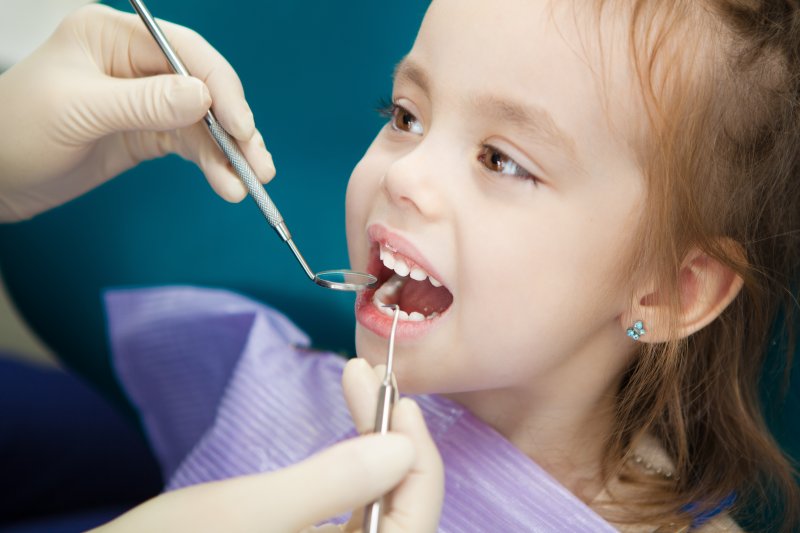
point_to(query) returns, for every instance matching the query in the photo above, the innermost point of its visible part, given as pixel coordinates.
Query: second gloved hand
(97, 98)
(415, 504)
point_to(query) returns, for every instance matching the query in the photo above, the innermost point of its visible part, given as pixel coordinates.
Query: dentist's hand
(415, 505)
(98, 97)
(330, 483)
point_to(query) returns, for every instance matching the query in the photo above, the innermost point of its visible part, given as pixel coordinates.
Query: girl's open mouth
(403, 281)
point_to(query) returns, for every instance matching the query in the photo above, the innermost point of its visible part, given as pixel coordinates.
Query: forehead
(557, 56)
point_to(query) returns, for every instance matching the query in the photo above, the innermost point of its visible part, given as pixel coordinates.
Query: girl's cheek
(365, 180)
(356, 193)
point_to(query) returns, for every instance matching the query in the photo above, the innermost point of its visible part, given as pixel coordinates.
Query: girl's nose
(416, 182)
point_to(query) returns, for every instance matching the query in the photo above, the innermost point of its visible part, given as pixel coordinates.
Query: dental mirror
(339, 280)
(344, 280)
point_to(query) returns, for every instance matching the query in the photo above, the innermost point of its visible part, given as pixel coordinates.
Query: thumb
(340, 479)
(155, 103)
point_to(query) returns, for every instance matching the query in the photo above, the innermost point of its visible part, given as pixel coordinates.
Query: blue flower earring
(636, 331)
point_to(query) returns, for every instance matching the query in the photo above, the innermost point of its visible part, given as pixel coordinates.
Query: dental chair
(313, 72)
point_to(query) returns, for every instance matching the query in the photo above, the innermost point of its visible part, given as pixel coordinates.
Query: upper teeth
(398, 264)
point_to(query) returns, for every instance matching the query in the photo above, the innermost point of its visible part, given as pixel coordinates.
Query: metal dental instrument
(387, 394)
(341, 280)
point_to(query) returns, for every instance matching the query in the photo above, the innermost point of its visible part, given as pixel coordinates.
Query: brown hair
(721, 84)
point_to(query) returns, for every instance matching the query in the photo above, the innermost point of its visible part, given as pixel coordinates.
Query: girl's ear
(705, 287)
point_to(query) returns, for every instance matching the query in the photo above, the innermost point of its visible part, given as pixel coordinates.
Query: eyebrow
(535, 121)
(408, 71)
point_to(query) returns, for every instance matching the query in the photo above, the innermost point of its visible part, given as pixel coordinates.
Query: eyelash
(385, 108)
(390, 110)
(488, 154)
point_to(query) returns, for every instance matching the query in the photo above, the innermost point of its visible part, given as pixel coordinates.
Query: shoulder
(651, 458)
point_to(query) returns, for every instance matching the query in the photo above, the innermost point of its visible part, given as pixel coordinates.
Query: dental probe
(343, 280)
(387, 394)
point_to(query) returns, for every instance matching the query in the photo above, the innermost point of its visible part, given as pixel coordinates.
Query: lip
(379, 234)
(367, 314)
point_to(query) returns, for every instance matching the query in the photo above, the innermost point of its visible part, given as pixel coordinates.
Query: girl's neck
(562, 429)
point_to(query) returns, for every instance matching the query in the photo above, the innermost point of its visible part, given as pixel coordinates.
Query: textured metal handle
(373, 514)
(224, 140)
(243, 169)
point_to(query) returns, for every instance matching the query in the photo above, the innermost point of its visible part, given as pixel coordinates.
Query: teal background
(313, 73)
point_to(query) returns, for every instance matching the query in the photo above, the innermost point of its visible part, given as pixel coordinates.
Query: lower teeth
(414, 316)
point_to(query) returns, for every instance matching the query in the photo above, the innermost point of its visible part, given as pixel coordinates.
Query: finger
(360, 386)
(125, 49)
(157, 103)
(342, 478)
(259, 157)
(204, 62)
(415, 505)
(196, 144)
(135, 53)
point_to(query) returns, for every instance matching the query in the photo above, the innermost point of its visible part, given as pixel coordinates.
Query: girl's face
(504, 174)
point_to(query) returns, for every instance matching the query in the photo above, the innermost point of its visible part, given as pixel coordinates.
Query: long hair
(720, 80)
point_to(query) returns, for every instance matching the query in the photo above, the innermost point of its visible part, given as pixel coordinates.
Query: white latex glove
(332, 482)
(415, 505)
(96, 99)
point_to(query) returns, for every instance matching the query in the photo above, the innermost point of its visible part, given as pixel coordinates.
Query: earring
(636, 331)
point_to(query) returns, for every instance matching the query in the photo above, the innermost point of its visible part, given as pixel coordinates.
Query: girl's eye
(401, 119)
(496, 161)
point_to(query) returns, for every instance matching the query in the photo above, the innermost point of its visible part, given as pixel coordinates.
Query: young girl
(588, 213)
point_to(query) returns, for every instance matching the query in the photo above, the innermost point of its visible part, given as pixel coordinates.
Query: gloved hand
(414, 505)
(344, 477)
(332, 482)
(96, 99)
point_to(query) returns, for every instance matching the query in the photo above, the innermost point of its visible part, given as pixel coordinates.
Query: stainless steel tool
(387, 395)
(342, 280)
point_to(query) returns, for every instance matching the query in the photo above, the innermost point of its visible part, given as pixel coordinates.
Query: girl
(588, 213)
(627, 160)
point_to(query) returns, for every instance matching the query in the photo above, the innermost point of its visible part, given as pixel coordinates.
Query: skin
(534, 342)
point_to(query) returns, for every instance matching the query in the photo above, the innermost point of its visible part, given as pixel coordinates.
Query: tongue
(422, 297)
